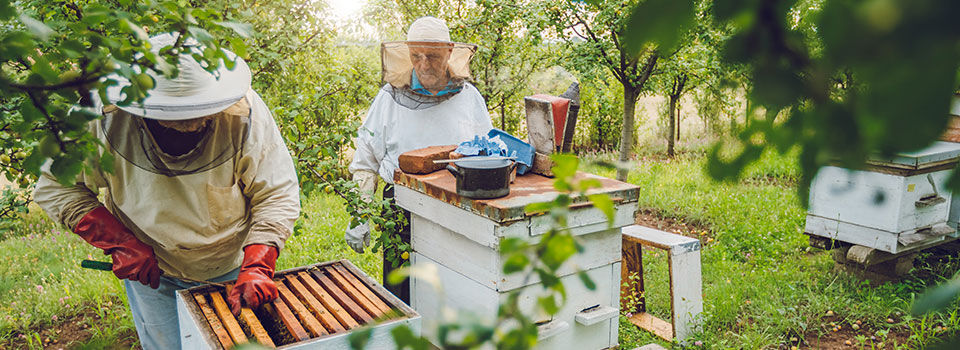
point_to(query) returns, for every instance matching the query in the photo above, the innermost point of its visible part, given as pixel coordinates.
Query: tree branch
(603, 53)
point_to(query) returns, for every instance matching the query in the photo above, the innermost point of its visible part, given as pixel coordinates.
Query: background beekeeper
(426, 101)
(203, 187)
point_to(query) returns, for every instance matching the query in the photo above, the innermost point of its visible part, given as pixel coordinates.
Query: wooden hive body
(318, 307)
(460, 239)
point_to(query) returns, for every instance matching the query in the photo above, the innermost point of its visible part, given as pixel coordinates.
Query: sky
(346, 9)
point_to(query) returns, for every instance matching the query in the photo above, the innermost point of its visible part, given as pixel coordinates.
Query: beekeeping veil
(406, 65)
(194, 93)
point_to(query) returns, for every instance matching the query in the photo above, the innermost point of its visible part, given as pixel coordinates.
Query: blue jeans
(155, 310)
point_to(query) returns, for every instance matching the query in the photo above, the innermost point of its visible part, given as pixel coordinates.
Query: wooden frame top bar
(526, 189)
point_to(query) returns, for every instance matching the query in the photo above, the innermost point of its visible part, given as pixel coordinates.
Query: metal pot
(482, 179)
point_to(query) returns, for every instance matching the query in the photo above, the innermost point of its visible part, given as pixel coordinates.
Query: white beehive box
(196, 331)
(893, 205)
(461, 238)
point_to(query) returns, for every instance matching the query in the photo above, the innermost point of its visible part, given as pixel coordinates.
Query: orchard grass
(763, 286)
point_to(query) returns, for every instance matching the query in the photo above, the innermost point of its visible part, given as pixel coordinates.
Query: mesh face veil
(417, 70)
(222, 139)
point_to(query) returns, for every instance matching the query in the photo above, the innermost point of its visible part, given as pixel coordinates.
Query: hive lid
(526, 189)
(938, 152)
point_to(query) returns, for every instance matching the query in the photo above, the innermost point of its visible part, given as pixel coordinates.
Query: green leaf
(565, 165)
(29, 112)
(404, 337)
(40, 30)
(511, 245)
(137, 31)
(399, 275)
(587, 281)
(549, 304)
(938, 298)
(359, 338)
(535, 208)
(202, 35)
(515, 263)
(587, 184)
(243, 29)
(559, 248)
(605, 204)
(16, 45)
(658, 21)
(66, 169)
(238, 47)
(107, 162)
(6, 10)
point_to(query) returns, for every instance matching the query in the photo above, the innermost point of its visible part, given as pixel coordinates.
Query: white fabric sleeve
(68, 204)
(64, 204)
(370, 145)
(269, 180)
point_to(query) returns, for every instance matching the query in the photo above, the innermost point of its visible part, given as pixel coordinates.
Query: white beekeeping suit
(426, 102)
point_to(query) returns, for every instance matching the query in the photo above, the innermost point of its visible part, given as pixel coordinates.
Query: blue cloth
(517, 148)
(415, 85)
(482, 146)
(155, 310)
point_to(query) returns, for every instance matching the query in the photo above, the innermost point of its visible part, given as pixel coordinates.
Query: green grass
(42, 277)
(762, 284)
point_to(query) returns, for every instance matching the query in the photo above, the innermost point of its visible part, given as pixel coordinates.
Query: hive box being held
(318, 307)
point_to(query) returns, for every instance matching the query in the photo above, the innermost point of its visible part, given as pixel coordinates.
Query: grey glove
(358, 237)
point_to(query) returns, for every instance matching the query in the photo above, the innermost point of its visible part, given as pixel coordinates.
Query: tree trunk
(503, 115)
(626, 135)
(671, 141)
(678, 121)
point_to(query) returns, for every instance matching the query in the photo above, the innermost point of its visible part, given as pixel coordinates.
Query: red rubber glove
(132, 259)
(255, 282)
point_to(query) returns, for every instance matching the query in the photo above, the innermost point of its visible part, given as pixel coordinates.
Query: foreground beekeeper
(426, 101)
(203, 187)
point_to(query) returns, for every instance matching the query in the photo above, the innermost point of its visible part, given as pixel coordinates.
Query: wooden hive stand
(686, 298)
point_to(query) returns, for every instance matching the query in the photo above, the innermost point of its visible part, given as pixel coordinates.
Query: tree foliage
(595, 33)
(57, 57)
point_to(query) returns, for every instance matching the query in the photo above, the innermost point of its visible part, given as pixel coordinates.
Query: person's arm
(77, 207)
(365, 167)
(270, 183)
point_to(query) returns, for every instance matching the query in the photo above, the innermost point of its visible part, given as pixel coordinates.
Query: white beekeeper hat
(194, 93)
(428, 29)
(425, 31)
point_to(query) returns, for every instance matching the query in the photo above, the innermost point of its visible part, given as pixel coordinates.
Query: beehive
(460, 239)
(318, 306)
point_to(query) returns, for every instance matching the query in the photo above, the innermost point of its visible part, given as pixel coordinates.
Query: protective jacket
(391, 129)
(197, 223)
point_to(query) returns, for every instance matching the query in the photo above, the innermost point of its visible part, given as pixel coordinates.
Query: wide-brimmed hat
(424, 32)
(194, 93)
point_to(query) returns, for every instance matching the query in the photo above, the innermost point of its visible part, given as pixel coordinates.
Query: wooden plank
(328, 301)
(301, 311)
(658, 327)
(353, 292)
(686, 293)
(290, 321)
(263, 338)
(353, 309)
(250, 318)
(214, 321)
(377, 301)
(326, 318)
(632, 262)
(230, 322)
